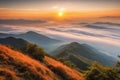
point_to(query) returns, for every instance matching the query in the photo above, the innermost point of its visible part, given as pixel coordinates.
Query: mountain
(82, 55)
(45, 42)
(17, 66)
(16, 43)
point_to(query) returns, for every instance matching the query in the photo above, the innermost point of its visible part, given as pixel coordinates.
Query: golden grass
(21, 66)
(6, 74)
(34, 66)
(75, 75)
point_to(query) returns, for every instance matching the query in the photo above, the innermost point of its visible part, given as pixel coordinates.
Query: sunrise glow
(60, 14)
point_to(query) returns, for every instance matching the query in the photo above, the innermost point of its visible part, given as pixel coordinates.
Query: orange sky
(29, 9)
(38, 15)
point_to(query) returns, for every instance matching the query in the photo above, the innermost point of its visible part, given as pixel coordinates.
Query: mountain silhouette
(82, 55)
(16, 43)
(45, 42)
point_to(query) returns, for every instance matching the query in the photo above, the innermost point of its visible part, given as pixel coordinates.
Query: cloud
(55, 7)
(102, 35)
(79, 23)
(116, 17)
(5, 28)
(97, 27)
(54, 29)
(108, 23)
(20, 21)
(86, 33)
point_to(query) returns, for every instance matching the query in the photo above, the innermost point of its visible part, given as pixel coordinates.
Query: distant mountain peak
(83, 54)
(31, 32)
(74, 43)
(34, 34)
(36, 38)
(10, 37)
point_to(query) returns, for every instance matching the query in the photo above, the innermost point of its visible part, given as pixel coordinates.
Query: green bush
(35, 51)
(100, 72)
(118, 63)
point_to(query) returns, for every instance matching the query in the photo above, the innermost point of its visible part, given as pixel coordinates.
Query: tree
(100, 72)
(35, 52)
(118, 63)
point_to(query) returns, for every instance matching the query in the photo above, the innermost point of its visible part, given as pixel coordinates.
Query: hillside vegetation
(99, 72)
(82, 55)
(18, 66)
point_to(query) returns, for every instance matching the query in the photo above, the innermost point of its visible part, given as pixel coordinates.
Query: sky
(56, 9)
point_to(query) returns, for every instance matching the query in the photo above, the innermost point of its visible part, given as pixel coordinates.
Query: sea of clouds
(103, 35)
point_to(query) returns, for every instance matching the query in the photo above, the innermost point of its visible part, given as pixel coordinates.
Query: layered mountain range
(81, 55)
(35, 38)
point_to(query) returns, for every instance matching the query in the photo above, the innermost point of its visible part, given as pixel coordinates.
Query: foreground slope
(17, 66)
(82, 55)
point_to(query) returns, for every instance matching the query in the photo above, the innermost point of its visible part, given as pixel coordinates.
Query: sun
(60, 11)
(60, 14)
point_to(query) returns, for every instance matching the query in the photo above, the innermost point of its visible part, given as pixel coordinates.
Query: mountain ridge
(35, 38)
(16, 43)
(85, 54)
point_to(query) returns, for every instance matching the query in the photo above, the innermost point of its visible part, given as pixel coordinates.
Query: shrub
(118, 63)
(100, 72)
(36, 52)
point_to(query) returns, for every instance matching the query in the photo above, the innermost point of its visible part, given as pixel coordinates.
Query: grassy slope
(17, 66)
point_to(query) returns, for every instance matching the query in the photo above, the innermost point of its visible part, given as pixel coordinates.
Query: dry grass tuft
(65, 72)
(6, 74)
